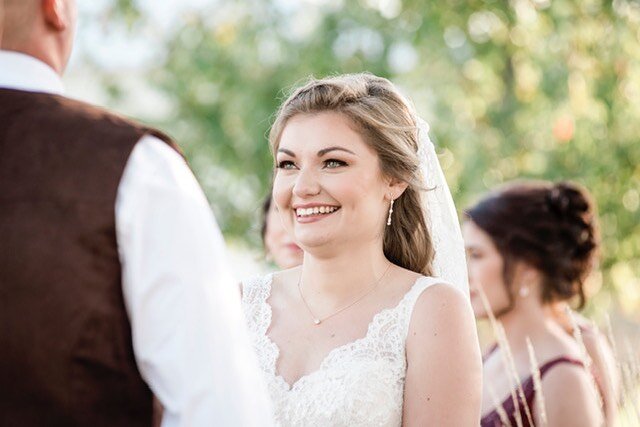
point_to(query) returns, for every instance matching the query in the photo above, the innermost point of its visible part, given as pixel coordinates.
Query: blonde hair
(385, 120)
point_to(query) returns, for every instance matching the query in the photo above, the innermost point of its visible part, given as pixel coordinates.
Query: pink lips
(310, 218)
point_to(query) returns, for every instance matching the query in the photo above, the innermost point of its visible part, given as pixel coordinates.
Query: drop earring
(390, 212)
(524, 291)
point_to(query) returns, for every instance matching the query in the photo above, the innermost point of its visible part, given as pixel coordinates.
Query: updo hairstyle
(551, 227)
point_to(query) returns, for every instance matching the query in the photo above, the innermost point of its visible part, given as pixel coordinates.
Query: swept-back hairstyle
(551, 227)
(387, 123)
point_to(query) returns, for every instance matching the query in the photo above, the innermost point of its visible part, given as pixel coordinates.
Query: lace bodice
(360, 383)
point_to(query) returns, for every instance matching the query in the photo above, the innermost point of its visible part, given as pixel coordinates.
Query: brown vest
(66, 354)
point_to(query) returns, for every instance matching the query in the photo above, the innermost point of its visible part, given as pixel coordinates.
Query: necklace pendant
(317, 321)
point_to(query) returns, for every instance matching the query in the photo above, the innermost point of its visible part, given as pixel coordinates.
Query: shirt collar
(23, 72)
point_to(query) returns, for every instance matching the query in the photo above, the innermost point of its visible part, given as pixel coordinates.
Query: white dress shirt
(188, 331)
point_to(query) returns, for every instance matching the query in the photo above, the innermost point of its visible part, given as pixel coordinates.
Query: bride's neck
(345, 274)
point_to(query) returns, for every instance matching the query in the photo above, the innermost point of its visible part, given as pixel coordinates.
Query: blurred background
(512, 89)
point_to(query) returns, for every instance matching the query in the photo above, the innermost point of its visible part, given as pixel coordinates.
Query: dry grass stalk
(497, 404)
(611, 380)
(537, 384)
(507, 359)
(506, 349)
(584, 356)
(612, 340)
(577, 335)
(629, 368)
(632, 380)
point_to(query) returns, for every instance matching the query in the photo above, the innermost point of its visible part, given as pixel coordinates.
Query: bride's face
(328, 188)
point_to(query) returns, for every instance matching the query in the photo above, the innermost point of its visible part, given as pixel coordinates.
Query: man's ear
(56, 13)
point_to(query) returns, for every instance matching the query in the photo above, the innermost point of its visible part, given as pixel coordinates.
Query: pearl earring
(524, 291)
(390, 212)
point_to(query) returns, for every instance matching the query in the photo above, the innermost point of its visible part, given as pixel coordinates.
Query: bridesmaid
(279, 247)
(530, 247)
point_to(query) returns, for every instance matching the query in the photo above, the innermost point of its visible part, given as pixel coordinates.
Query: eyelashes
(286, 164)
(334, 163)
(327, 164)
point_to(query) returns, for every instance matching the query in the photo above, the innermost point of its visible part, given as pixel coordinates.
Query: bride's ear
(395, 188)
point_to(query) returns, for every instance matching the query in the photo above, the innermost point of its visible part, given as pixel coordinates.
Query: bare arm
(444, 369)
(569, 398)
(606, 371)
(601, 354)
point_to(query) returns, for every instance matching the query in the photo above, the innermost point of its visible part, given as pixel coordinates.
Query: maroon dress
(492, 419)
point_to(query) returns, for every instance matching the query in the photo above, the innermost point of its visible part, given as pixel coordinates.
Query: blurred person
(603, 363)
(362, 333)
(277, 242)
(112, 269)
(530, 246)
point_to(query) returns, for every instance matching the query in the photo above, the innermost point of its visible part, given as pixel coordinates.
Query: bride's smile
(312, 212)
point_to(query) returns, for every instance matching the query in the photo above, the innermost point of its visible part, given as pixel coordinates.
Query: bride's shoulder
(285, 281)
(441, 315)
(432, 296)
(271, 280)
(439, 303)
(438, 291)
(417, 282)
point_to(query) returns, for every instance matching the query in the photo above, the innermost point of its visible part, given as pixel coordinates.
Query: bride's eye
(286, 164)
(334, 163)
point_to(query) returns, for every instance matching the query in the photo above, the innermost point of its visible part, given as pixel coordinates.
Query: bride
(362, 334)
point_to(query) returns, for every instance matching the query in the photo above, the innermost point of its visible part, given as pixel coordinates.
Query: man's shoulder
(58, 111)
(74, 109)
(105, 120)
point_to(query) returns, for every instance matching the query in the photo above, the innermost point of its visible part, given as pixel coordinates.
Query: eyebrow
(287, 152)
(320, 153)
(329, 149)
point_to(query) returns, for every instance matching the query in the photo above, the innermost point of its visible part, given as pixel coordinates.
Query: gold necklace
(317, 320)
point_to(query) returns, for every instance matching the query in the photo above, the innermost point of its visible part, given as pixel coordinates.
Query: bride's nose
(306, 184)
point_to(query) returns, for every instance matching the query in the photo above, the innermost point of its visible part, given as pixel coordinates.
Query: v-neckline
(331, 354)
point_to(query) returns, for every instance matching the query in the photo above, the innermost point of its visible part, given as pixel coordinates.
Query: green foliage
(126, 11)
(524, 88)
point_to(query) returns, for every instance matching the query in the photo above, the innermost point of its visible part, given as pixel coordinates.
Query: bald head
(43, 29)
(1, 20)
(19, 17)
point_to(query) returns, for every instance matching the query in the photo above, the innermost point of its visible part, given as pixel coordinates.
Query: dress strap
(255, 292)
(256, 289)
(562, 359)
(409, 301)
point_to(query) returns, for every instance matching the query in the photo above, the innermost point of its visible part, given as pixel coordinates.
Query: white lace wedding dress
(358, 384)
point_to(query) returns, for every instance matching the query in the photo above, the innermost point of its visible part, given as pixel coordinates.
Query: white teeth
(315, 210)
